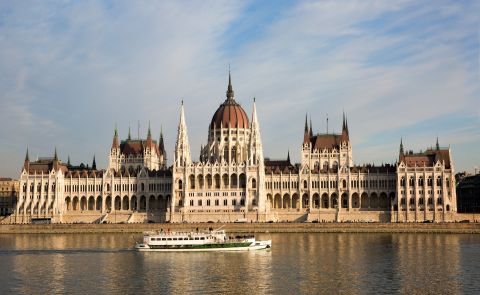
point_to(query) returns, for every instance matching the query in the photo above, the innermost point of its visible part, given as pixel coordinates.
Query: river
(298, 263)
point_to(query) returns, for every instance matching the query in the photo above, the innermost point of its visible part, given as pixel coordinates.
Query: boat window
(164, 239)
(196, 238)
(202, 238)
(174, 239)
(190, 238)
(169, 239)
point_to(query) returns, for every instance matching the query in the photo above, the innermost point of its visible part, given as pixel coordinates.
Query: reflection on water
(297, 263)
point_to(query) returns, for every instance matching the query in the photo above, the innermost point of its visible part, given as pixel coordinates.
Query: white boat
(212, 240)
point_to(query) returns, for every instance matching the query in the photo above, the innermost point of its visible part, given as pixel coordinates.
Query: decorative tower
(182, 148)
(256, 159)
(114, 157)
(163, 152)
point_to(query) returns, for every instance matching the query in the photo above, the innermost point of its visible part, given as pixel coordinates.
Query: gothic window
(225, 154)
(439, 201)
(180, 184)
(412, 201)
(225, 203)
(325, 165)
(420, 181)
(234, 154)
(411, 182)
(430, 201)
(439, 181)
(305, 184)
(192, 181)
(254, 183)
(420, 201)
(429, 181)
(344, 183)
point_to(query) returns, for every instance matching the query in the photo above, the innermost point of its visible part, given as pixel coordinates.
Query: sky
(70, 71)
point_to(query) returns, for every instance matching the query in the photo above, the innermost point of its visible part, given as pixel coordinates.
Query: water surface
(313, 263)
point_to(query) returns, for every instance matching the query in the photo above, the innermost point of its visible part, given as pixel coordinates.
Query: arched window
(234, 154)
(143, 186)
(412, 201)
(344, 183)
(402, 182)
(411, 182)
(254, 183)
(420, 181)
(180, 184)
(325, 165)
(420, 201)
(225, 154)
(439, 201)
(429, 181)
(192, 181)
(305, 184)
(439, 181)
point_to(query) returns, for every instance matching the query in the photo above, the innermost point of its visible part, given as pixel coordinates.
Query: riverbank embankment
(450, 228)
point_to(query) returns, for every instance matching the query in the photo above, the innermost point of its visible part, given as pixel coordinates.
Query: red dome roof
(230, 112)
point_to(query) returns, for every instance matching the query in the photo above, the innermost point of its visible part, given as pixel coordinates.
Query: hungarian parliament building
(234, 182)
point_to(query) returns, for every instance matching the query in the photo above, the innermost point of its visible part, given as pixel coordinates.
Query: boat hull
(258, 245)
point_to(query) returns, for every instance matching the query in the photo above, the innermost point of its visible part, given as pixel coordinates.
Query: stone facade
(8, 195)
(232, 181)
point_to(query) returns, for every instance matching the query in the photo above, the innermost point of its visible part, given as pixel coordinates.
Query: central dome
(230, 113)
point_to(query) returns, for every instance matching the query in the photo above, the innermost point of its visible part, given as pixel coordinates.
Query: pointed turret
(437, 146)
(56, 162)
(26, 163)
(149, 138)
(345, 136)
(306, 137)
(401, 153)
(129, 133)
(230, 93)
(115, 139)
(182, 147)
(94, 163)
(68, 161)
(311, 128)
(256, 148)
(288, 157)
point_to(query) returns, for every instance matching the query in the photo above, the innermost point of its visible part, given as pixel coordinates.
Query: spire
(55, 160)
(115, 138)
(149, 134)
(306, 124)
(68, 161)
(288, 157)
(182, 147)
(161, 144)
(27, 157)
(401, 153)
(256, 148)
(437, 145)
(343, 124)
(311, 131)
(26, 164)
(94, 163)
(230, 93)
(346, 124)
(306, 137)
(129, 133)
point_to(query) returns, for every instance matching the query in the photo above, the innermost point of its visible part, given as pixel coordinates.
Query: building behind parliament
(234, 181)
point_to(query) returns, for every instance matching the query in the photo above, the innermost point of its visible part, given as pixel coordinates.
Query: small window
(202, 238)
(174, 239)
(169, 239)
(196, 238)
(164, 239)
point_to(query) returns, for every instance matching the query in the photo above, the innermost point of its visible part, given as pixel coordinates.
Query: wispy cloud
(71, 70)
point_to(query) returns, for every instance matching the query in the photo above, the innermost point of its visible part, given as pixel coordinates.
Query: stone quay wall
(451, 228)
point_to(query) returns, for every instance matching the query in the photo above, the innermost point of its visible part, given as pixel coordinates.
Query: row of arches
(216, 181)
(118, 203)
(412, 182)
(376, 201)
(45, 207)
